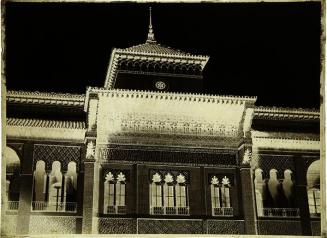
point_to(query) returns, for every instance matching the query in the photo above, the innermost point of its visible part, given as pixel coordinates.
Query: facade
(148, 153)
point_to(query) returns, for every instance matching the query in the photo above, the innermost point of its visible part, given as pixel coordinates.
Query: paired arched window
(168, 196)
(220, 197)
(114, 193)
(313, 185)
(54, 191)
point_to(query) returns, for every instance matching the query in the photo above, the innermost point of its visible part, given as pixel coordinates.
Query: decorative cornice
(278, 113)
(172, 96)
(285, 143)
(47, 98)
(45, 123)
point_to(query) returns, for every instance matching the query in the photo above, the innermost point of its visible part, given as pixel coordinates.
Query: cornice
(286, 143)
(279, 113)
(45, 123)
(172, 96)
(47, 98)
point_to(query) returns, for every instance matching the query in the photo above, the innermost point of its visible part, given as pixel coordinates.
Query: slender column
(26, 191)
(302, 196)
(248, 198)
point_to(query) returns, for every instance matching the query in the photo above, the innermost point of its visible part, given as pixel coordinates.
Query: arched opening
(313, 188)
(12, 178)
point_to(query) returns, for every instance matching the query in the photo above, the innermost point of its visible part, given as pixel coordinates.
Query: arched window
(70, 187)
(156, 206)
(12, 178)
(55, 197)
(220, 197)
(40, 186)
(115, 194)
(313, 185)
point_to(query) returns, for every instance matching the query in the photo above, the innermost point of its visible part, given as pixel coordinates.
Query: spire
(150, 34)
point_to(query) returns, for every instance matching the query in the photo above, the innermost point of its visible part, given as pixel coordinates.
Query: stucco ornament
(247, 157)
(156, 178)
(121, 177)
(225, 181)
(169, 178)
(214, 180)
(109, 177)
(90, 151)
(180, 178)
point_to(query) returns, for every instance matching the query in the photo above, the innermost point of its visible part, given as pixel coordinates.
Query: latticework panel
(116, 226)
(225, 227)
(52, 225)
(51, 153)
(156, 226)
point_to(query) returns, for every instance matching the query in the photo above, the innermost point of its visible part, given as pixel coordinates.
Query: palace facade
(148, 153)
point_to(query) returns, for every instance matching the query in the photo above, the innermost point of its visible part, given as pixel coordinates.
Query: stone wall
(8, 224)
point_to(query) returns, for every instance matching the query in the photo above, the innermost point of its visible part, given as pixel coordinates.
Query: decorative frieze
(285, 144)
(45, 123)
(107, 154)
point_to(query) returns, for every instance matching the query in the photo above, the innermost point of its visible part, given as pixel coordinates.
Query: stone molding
(45, 123)
(46, 98)
(278, 113)
(285, 143)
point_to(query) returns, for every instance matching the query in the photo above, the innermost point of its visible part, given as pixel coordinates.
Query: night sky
(267, 50)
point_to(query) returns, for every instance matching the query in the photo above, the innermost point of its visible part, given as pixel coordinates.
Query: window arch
(12, 162)
(313, 188)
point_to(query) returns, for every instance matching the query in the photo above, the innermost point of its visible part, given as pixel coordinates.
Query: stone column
(302, 196)
(248, 196)
(26, 191)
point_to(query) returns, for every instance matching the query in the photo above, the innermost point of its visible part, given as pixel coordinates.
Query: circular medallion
(160, 85)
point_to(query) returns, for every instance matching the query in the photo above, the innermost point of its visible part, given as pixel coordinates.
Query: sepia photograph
(136, 117)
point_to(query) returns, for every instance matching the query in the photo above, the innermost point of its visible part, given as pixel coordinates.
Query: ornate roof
(45, 123)
(156, 49)
(151, 51)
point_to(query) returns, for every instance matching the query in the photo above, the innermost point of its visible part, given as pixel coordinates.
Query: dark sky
(267, 50)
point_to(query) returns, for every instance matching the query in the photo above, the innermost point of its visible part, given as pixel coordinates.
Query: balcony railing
(54, 206)
(12, 205)
(222, 211)
(115, 210)
(169, 210)
(280, 212)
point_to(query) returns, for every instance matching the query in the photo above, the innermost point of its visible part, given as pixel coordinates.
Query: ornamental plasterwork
(110, 177)
(225, 181)
(45, 123)
(169, 178)
(180, 178)
(156, 178)
(214, 180)
(90, 150)
(247, 157)
(121, 177)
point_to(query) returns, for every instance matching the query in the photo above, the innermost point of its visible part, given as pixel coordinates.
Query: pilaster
(248, 197)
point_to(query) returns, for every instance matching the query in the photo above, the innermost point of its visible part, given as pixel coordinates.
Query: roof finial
(150, 34)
